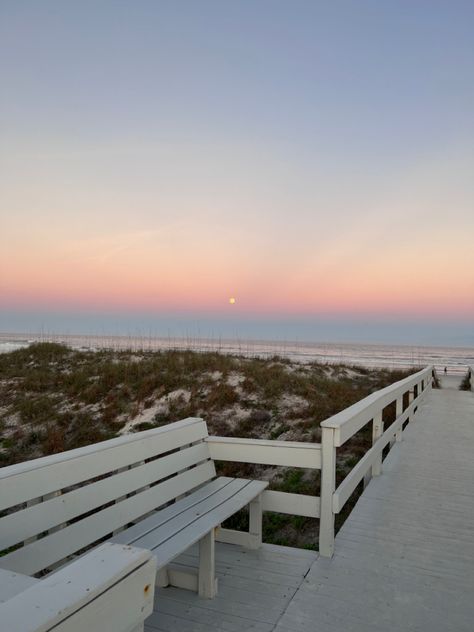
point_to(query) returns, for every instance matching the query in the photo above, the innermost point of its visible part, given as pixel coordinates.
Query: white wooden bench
(108, 590)
(155, 490)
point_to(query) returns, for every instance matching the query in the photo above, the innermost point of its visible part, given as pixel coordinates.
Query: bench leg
(162, 578)
(207, 578)
(255, 523)
(252, 539)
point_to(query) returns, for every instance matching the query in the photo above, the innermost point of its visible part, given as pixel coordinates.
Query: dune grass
(466, 384)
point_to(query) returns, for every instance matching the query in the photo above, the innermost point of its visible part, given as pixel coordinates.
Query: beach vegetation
(436, 383)
(466, 383)
(54, 398)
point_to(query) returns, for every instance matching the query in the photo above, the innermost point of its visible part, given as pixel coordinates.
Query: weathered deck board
(254, 589)
(404, 558)
(403, 561)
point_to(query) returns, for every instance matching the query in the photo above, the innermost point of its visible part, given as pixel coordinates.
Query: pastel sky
(313, 159)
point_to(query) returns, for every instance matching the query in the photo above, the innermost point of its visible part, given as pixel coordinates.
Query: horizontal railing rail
(269, 452)
(266, 452)
(351, 419)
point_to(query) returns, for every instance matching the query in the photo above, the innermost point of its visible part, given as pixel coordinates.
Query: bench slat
(146, 525)
(25, 481)
(57, 546)
(38, 518)
(183, 516)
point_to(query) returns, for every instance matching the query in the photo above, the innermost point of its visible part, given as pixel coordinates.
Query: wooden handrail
(265, 452)
(335, 432)
(340, 427)
(351, 419)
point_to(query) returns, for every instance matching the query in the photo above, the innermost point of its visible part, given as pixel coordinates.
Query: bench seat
(172, 530)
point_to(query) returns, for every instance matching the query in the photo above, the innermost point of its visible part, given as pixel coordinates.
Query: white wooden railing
(407, 394)
(267, 452)
(322, 456)
(341, 427)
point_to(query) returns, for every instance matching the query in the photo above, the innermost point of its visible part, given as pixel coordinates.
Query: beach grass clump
(221, 395)
(466, 384)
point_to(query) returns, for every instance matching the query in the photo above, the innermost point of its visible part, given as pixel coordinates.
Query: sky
(312, 159)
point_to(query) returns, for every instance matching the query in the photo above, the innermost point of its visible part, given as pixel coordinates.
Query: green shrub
(466, 383)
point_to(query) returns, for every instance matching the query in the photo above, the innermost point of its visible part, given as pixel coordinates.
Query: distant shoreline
(368, 355)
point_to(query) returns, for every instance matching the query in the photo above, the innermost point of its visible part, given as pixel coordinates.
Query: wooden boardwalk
(404, 560)
(255, 587)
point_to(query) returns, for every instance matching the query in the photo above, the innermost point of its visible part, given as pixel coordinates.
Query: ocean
(456, 359)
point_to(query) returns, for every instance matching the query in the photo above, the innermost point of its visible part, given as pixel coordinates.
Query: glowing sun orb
(232, 300)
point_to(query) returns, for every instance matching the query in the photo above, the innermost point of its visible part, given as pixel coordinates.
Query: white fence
(285, 453)
(406, 394)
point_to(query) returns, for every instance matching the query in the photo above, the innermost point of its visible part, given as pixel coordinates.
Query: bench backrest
(54, 507)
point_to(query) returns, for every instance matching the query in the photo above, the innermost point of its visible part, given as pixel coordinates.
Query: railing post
(377, 431)
(328, 487)
(255, 523)
(411, 397)
(398, 412)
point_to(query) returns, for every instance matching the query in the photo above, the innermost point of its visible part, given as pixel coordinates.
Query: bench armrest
(109, 589)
